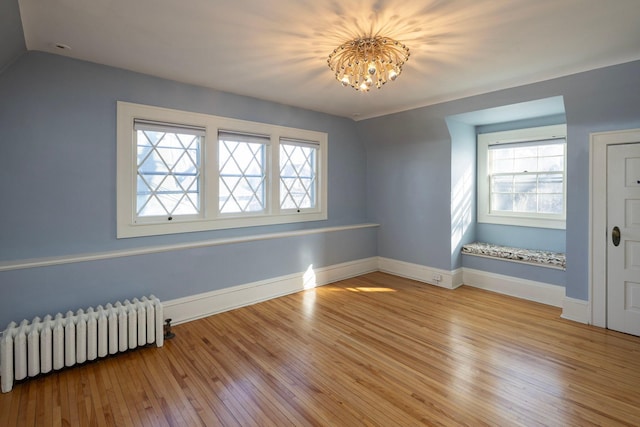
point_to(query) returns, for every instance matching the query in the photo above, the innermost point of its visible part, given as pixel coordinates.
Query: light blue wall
(597, 100)
(546, 239)
(11, 36)
(533, 121)
(38, 291)
(58, 187)
(409, 185)
(539, 112)
(524, 237)
(57, 124)
(57, 140)
(463, 187)
(514, 269)
(601, 100)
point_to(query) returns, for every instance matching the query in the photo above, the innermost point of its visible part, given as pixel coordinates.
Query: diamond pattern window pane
(242, 172)
(527, 179)
(298, 176)
(168, 167)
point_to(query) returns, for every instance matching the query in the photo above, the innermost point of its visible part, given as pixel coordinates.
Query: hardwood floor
(375, 350)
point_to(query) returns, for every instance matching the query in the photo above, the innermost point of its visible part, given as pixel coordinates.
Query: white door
(623, 241)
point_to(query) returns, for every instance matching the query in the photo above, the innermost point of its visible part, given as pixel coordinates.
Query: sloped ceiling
(276, 50)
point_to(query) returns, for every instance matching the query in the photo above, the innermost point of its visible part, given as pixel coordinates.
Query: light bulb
(393, 75)
(372, 68)
(345, 81)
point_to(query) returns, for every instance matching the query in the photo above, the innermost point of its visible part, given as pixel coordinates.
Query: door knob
(615, 236)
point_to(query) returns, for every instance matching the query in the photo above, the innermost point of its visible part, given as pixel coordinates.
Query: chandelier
(366, 62)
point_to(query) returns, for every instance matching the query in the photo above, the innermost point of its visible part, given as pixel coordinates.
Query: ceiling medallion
(368, 62)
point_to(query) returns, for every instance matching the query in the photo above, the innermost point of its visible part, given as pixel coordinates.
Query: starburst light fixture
(366, 62)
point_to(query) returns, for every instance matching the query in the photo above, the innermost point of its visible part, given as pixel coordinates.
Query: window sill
(126, 229)
(519, 221)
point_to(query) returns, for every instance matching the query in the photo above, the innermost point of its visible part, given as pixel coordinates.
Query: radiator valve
(167, 330)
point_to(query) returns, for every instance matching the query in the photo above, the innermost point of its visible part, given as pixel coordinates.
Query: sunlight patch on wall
(461, 208)
(309, 278)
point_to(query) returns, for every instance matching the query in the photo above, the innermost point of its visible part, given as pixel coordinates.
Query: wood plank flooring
(376, 350)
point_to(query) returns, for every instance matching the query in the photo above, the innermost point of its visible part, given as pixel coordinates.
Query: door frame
(598, 233)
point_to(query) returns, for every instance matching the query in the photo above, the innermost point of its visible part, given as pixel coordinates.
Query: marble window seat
(540, 258)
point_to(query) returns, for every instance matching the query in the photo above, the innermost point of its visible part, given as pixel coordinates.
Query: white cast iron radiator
(37, 347)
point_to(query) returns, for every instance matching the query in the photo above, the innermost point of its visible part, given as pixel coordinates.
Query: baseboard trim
(194, 307)
(457, 277)
(521, 288)
(576, 310)
(421, 273)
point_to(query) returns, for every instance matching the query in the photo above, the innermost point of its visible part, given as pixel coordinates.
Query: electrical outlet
(437, 277)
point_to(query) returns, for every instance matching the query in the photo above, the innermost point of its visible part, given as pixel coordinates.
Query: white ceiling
(276, 49)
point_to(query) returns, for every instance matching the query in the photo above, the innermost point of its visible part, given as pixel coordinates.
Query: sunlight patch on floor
(363, 289)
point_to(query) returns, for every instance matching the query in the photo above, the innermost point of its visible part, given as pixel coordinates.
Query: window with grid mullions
(522, 177)
(527, 177)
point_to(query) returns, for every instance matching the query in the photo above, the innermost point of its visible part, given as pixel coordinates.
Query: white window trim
(517, 219)
(209, 219)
